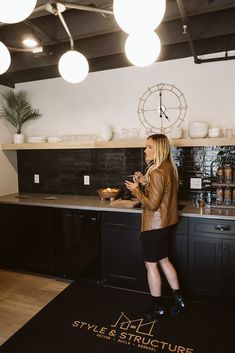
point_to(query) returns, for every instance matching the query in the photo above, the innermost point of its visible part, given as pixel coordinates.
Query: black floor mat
(89, 318)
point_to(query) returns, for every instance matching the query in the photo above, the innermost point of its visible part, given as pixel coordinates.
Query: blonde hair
(162, 153)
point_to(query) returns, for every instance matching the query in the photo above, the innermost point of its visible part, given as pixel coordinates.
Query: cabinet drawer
(121, 220)
(209, 227)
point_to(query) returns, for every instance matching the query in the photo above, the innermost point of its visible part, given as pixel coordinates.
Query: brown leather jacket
(159, 198)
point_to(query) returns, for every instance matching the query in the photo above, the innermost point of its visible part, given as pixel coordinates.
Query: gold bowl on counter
(108, 193)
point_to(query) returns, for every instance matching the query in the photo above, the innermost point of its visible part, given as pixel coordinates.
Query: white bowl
(198, 129)
(214, 132)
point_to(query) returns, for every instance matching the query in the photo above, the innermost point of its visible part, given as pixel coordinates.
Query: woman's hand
(138, 177)
(131, 185)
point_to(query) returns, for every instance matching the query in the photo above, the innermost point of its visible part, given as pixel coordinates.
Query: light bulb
(138, 15)
(142, 49)
(13, 11)
(30, 42)
(73, 66)
(5, 58)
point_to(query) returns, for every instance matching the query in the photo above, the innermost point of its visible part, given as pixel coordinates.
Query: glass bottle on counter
(219, 195)
(228, 173)
(227, 196)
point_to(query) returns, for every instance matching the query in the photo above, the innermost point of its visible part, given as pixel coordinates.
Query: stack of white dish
(55, 139)
(36, 139)
(198, 129)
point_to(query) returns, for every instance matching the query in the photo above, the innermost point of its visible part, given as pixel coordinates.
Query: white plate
(54, 139)
(36, 139)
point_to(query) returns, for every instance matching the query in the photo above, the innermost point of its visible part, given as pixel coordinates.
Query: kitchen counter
(94, 203)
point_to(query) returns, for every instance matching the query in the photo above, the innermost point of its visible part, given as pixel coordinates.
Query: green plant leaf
(17, 110)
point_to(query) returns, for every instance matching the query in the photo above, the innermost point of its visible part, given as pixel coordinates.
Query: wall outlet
(86, 179)
(195, 183)
(36, 178)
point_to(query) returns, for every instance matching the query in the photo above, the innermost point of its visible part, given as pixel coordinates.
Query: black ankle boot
(179, 303)
(157, 309)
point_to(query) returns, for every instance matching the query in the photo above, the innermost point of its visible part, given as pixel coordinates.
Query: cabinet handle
(94, 219)
(225, 246)
(222, 228)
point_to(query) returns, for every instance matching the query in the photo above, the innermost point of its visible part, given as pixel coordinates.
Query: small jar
(227, 196)
(228, 173)
(220, 174)
(219, 195)
(233, 197)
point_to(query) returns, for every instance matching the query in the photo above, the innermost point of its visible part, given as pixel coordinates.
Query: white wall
(112, 97)
(8, 162)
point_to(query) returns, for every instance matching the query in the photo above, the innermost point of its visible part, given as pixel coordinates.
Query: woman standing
(157, 191)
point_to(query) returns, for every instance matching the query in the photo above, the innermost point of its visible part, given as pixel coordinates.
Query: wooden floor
(21, 297)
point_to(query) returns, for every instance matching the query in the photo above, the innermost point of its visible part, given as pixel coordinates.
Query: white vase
(105, 133)
(18, 138)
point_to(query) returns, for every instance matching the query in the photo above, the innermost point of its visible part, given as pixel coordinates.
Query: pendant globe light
(5, 58)
(138, 15)
(142, 49)
(73, 66)
(13, 11)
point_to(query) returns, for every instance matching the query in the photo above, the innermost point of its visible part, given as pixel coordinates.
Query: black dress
(156, 243)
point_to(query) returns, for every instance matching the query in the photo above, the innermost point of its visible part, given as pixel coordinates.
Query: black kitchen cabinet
(26, 241)
(212, 258)
(122, 263)
(77, 244)
(179, 252)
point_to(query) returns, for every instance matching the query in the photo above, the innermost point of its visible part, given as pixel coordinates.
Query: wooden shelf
(117, 144)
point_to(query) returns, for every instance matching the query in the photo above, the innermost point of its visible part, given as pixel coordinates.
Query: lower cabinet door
(121, 257)
(228, 275)
(179, 258)
(205, 266)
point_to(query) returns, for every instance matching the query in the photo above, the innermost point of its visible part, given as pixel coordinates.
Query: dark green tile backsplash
(62, 171)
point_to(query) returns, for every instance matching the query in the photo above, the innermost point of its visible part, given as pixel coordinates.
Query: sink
(180, 207)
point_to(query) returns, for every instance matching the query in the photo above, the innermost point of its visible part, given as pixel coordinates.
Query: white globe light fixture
(138, 15)
(73, 66)
(5, 58)
(142, 49)
(13, 11)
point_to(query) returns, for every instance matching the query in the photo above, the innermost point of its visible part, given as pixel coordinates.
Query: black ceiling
(210, 28)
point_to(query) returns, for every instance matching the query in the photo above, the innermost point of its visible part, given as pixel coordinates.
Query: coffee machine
(125, 193)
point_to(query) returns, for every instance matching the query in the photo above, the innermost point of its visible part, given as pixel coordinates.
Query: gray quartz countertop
(94, 203)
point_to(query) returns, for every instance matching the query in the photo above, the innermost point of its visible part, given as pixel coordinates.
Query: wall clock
(161, 107)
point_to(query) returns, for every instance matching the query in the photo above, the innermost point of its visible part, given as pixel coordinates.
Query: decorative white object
(142, 49)
(105, 133)
(5, 58)
(36, 139)
(13, 11)
(18, 138)
(73, 66)
(176, 133)
(139, 15)
(198, 129)
(214, 132)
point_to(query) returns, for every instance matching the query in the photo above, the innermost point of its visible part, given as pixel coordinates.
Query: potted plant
(17, 111)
